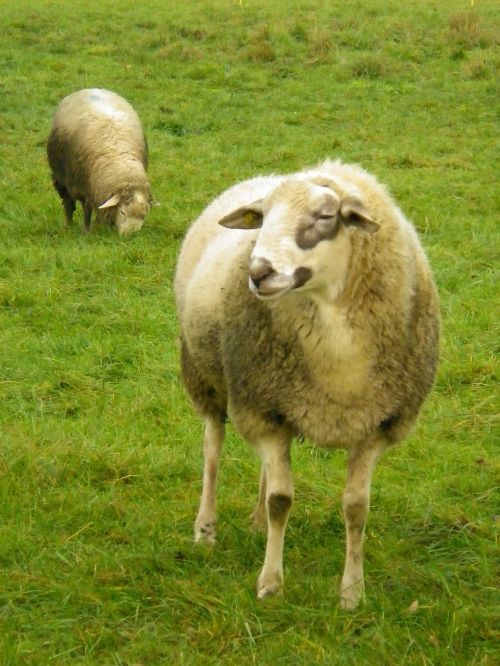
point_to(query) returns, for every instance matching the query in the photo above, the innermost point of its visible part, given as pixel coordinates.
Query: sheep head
(303, 242)
(127, 213)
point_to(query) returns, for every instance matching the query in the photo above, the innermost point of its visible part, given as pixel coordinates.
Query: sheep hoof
(206, 533)
(351, 596)
(269, 586)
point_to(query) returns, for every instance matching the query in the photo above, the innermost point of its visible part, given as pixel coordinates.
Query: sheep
(307, 308)
(98, 154)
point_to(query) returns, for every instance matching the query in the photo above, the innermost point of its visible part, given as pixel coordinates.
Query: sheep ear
(246, 217)
(353, 212)
(112, 201)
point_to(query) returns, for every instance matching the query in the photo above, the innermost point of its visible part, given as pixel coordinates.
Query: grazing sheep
(323, 323)
(98, 155)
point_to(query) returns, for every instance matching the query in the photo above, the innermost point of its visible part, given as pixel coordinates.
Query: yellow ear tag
(249, 218)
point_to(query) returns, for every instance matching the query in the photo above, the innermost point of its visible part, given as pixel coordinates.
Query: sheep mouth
(262, 296)
(130, 226)
(272, 287)
(276, 285)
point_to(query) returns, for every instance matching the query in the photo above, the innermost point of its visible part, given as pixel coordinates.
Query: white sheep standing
(98, 155)
(323, 322)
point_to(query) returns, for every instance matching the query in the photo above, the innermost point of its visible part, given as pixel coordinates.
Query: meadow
(100, 450)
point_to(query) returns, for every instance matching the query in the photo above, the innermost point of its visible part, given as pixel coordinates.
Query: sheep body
(98, 155)
(345, 359)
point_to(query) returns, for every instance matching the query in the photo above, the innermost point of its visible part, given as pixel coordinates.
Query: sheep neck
(332, 351)
(111, 181)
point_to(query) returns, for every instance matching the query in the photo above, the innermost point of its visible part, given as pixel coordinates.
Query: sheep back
(97, 147)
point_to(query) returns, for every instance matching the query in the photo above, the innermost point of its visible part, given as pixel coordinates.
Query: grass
(100, 451)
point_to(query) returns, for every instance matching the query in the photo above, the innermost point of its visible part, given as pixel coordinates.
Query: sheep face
(127, 213)
(303, 241)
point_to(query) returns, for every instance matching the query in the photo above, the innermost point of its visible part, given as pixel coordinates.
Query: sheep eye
(325, 217)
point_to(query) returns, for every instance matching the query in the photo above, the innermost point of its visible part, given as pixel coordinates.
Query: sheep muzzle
(267, 283)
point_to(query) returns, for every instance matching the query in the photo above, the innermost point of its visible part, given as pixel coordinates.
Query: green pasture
(100, 454)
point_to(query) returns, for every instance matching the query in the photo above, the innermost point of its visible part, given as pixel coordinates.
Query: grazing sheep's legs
(259, 514)
(279, 496)
(356, 503)
(87, 214)
(206, 520)
(69, 209)
(68, 202)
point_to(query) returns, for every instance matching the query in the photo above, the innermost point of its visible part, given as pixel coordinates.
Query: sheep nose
(260, 269)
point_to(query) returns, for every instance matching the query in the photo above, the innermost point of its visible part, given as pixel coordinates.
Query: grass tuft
(369, 67)
(464, 27)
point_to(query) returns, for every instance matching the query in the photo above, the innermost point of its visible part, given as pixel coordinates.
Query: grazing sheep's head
(304, 238)
(127, 213)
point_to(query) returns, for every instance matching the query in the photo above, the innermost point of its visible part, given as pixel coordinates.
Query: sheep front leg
(279, 496)
(356, 503)
(259, 514)
(206, 521)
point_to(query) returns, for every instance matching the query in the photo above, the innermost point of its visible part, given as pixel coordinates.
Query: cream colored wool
(98, 155)
(322, 321)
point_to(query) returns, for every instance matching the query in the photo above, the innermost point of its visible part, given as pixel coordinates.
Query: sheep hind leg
(205, 526)
(259, 514)
(356, 503)
(279, 496)
(69, 209)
